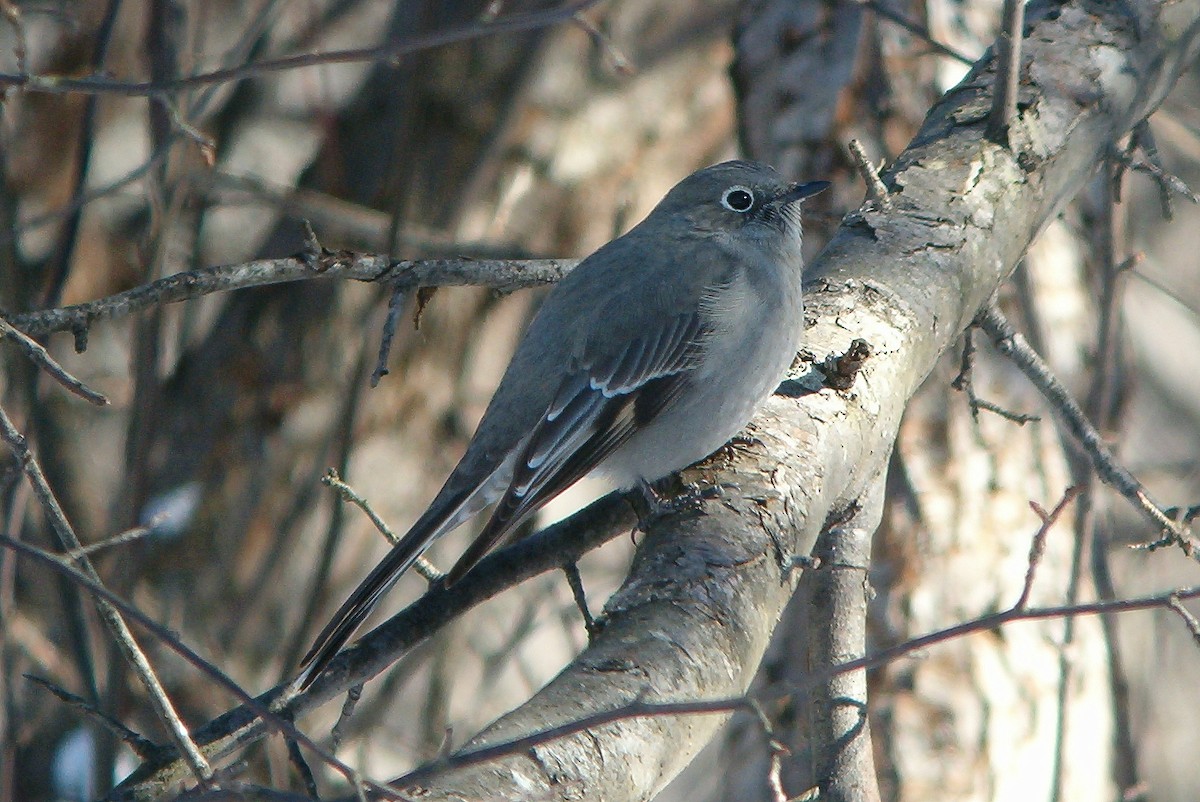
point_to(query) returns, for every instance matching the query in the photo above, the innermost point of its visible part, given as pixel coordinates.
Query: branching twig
(1037, 547)
(964, 384)
(142, 747)
(112, 618)
(1168, 183)
(1010, 343)
(568, 539)
(264, 708)
(41, 357)
(98, 84)
(503, 275)
(334, 482)
(1189, 620)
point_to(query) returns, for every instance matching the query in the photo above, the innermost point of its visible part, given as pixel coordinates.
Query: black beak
(798, 192)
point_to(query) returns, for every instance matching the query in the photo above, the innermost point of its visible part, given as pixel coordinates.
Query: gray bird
(645, 358)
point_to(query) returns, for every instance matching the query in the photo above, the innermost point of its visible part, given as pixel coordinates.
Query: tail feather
(443, 516)
(356, 608)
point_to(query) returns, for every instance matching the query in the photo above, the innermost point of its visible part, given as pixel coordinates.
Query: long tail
(441, 517)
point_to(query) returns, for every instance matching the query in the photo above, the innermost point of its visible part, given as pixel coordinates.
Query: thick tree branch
(842, 755)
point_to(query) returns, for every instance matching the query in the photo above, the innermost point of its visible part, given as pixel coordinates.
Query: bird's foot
(656, 504)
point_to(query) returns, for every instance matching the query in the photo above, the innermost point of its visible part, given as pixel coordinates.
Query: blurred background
(226, 411)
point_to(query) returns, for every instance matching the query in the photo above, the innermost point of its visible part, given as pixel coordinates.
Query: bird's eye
(738, 199)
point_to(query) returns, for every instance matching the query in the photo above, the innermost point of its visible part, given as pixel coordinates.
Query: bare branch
(564, 541)
(98, 84)
(41, 357)
(108, 612)
(639, 709)
(264, 707)
(503, 275)
(1010, 343)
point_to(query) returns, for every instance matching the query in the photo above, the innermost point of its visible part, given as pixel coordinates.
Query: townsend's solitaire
(645, 358)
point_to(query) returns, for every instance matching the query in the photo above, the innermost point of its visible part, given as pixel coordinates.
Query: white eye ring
(738, 199)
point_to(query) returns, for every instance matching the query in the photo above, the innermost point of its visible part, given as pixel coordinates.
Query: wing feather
(598, 407)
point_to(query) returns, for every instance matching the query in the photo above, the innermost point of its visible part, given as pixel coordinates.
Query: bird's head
(738, 198)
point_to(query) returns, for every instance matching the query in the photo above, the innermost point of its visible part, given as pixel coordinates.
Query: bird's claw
(658, 505)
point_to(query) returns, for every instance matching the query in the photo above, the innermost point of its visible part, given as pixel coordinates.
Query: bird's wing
(602, 401)
(600, 404)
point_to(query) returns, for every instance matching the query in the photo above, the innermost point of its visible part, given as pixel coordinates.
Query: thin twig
(345, 492)
(778, 751)
(918, 30)
(41, 357)
(877, 191)
(208, 147)
(143, 747)
(119, 539)
(1167, 182)
(603, 43)
(334, 482)
(1144, 136)
(1008, 72)
(342, 435)
(1189, 620)
(296, 758)
(395, 306)
(338, 733)
(98, 84)
(575, 581)
(964, 383)
(1037, 546)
